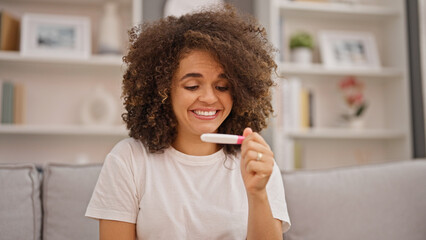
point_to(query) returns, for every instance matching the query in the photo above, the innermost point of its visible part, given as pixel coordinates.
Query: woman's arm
(261, 223)
(256, 173)
(116, 230)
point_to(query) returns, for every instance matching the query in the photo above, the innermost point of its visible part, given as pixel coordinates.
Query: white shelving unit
(56, 89)
(386, 135)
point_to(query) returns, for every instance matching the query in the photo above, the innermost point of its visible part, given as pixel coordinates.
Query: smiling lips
(205, 115)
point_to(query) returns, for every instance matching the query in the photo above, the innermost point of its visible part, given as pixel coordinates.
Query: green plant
(301, 39)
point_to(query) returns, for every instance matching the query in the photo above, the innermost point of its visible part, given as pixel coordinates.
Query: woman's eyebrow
(198, 75)
(223, 75)
(188, 75)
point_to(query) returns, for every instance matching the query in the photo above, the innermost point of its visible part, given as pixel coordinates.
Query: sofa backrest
(383, 201)
(48, 204)
(67, 190)
(20, 207)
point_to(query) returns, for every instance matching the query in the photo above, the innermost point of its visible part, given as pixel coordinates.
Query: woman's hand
(257, 162)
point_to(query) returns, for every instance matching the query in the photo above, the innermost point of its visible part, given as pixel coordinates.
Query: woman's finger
(258, 156)
(261, 168)
(254, 146)
(257, 138)
(265, 161)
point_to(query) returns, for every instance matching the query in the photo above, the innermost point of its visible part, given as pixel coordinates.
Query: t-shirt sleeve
(115, 194)
(276, 196)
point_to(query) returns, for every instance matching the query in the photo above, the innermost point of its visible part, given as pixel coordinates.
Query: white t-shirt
(172, 195)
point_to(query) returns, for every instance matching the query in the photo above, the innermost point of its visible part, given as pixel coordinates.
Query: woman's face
(201, 94)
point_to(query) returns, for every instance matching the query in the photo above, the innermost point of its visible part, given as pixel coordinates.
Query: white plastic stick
(221, 138)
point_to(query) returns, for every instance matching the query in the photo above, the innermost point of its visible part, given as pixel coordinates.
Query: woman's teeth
(205, 113)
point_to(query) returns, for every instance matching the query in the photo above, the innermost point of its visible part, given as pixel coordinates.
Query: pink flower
(348, 82)
(352, 91)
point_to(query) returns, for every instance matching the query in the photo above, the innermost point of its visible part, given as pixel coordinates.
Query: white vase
(302, 55)
(109, 30)
(99, 108)
(356, 123)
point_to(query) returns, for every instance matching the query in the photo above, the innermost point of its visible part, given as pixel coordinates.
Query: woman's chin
(206, 130)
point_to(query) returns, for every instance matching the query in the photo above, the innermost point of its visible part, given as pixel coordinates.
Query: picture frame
(348, 49)
(59, 36)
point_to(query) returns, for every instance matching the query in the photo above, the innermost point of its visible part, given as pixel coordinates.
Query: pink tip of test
(222, 138)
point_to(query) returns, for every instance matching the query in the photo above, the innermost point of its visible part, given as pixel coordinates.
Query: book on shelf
(18, 104)
(282, 42)
(297, 156)
(304, 108)
(296, 105)
(7, 103)
(311, 109)
(9, 32)
(12, 103)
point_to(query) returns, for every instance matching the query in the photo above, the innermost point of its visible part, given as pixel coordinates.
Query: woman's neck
(192, 145)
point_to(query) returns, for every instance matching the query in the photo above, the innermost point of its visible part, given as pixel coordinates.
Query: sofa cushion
(20, 207)
(384, 201)
(67, 190)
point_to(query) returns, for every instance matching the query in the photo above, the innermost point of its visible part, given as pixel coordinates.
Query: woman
(207, 72)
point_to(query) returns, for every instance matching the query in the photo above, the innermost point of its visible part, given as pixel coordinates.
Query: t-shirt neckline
(196, 160)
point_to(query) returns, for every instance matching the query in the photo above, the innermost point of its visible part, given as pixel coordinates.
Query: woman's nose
(208, 95)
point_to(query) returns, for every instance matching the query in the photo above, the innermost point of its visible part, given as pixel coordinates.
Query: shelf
(94, 60)
(335, 10)
(321, 70)
(63, 130)
(342, 133)
(69, 1)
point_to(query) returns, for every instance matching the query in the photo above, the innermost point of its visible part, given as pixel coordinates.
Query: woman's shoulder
(128, 149)
(126, 145)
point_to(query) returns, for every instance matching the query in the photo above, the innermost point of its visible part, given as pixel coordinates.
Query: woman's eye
(222, 88)
(191, 88)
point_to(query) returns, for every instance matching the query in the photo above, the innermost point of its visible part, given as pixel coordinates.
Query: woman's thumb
(247, 132)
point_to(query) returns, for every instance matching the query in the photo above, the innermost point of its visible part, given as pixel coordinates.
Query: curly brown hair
(238, 43)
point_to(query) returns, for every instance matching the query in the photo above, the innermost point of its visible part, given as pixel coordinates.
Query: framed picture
(348, 49)
(44, 35)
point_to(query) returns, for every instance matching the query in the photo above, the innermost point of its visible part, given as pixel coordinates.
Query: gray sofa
(383, 201)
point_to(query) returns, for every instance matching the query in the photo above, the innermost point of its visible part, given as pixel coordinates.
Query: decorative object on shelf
(180, 7)
(45, 35)
(301, 46)
(99, 108)
(348, 49)
(109, 30)
(355, 103)
(9, 32)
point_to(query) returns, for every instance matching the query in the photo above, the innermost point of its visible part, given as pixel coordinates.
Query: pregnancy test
(221, 138)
